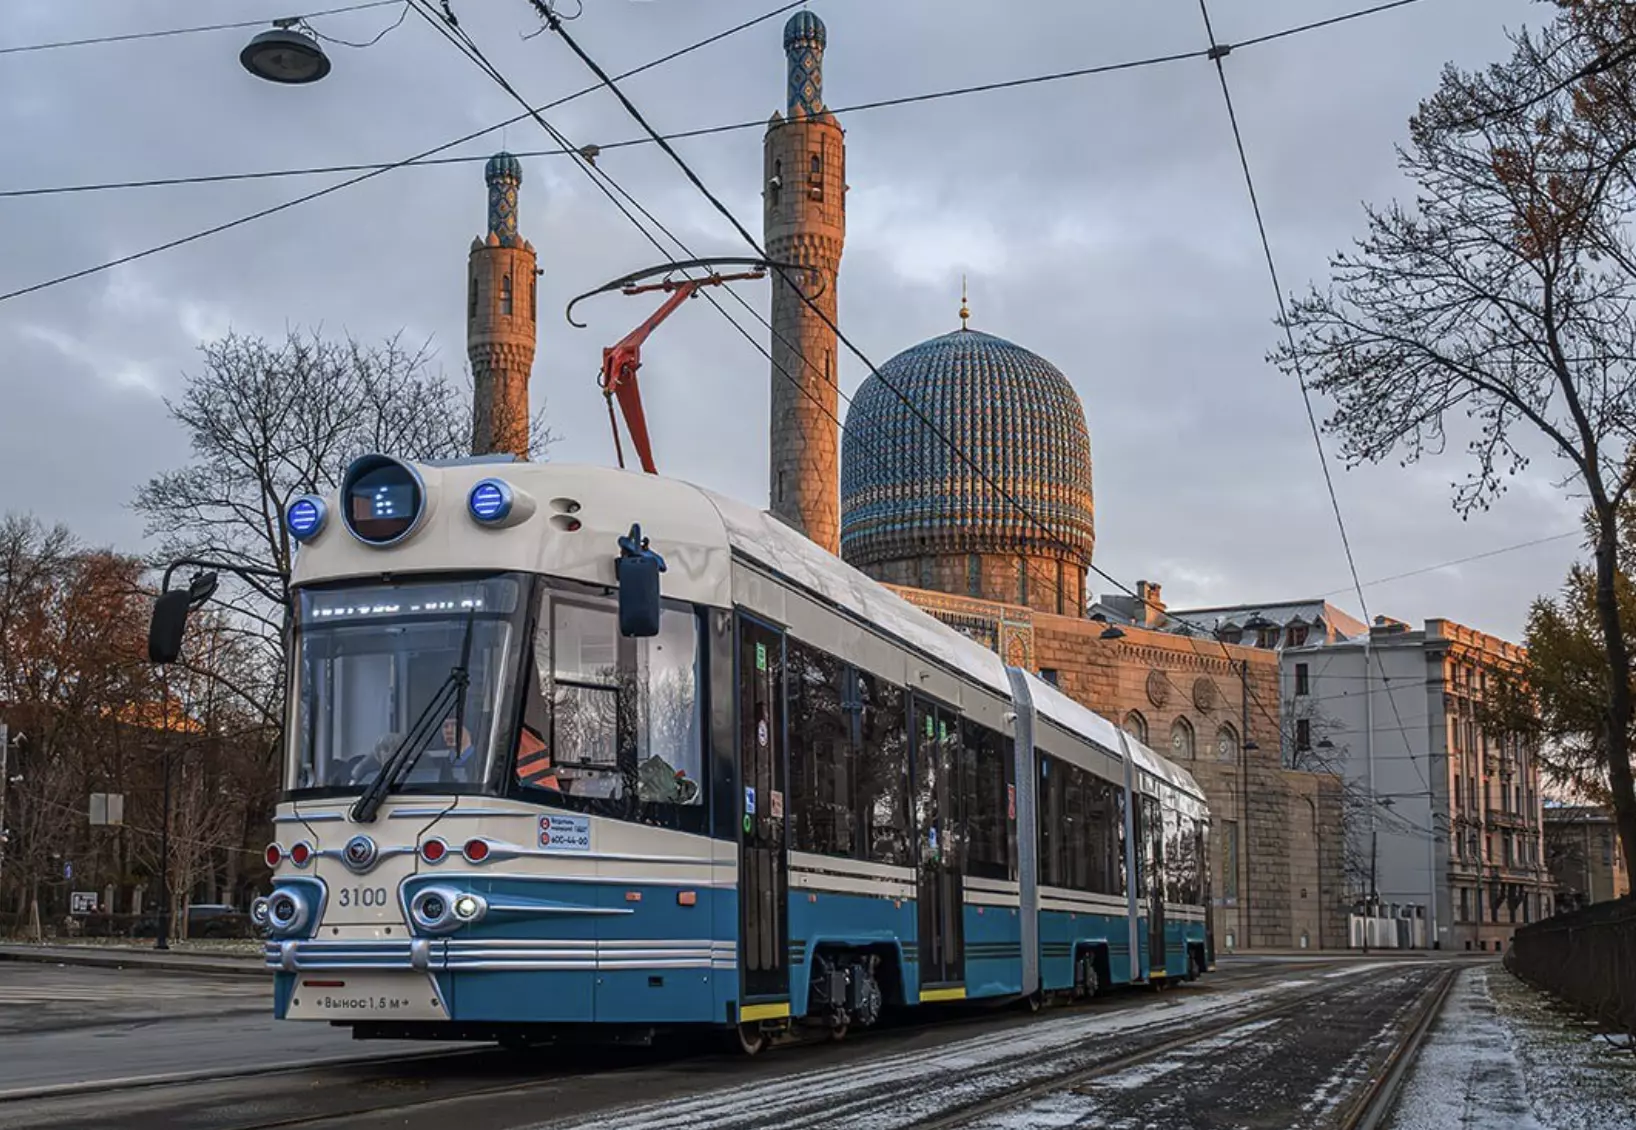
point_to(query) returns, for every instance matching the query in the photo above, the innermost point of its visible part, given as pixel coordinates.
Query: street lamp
(1112, 633)
(285, 55)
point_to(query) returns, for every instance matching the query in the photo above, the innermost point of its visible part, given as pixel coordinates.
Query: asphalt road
(63, 1024)
(210, 1030)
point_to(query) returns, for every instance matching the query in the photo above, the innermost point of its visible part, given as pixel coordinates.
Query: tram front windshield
(375, 660)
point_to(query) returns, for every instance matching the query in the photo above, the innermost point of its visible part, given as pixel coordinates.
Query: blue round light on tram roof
(305, 517)
(490, 501)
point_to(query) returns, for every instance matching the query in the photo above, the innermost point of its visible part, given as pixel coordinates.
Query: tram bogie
(666, 765)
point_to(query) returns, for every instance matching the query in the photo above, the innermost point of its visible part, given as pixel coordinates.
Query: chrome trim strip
(445, 810)
(308, 818)
(527, 908)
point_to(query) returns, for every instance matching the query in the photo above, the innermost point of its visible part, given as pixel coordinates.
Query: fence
(1587, 958)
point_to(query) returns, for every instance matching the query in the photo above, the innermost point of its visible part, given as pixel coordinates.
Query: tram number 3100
(362, 896)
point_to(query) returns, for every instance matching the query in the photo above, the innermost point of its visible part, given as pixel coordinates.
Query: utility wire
(1458, 561)
(555, 24)
(135, 35)
(1217, 54)
(703, 131)
(609, 186)
(288, 204)
(382, 34)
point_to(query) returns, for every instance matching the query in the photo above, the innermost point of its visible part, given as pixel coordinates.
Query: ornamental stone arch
(1181, 740)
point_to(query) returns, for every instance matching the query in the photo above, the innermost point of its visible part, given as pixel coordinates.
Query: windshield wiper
(414, 743)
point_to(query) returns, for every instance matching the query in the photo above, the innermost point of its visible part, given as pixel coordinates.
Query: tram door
(762, 879)
(940, 894)
(1155, 835)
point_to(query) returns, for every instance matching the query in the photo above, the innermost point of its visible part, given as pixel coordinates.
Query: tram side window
(883, 771)
(1177, 865)
(614, 725)
(984, 778)
(1080, 829)
(1183, 859)
(823, 780)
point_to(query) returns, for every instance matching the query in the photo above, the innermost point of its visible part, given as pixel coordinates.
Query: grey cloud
(1103, 221)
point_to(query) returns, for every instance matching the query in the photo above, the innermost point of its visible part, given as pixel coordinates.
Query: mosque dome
(906, 496)
(503, 166)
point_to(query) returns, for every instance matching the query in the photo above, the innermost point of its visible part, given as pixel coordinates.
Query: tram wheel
(749, 1039)
(1034, 1002)
(837, 1032)
(1193, 965)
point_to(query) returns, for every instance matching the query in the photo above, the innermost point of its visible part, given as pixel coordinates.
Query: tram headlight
(497, 504)
(305, 517)
(433, 909)
(258, 912)
(469, 907)
(288, 911)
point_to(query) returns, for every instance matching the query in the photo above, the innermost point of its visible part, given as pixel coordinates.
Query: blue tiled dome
(905, 494)
(503, 166)
(805, 27)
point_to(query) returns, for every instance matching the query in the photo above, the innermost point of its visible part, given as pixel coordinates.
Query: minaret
(805, 224)
(500, 318)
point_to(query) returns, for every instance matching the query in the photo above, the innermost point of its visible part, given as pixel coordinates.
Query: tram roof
(697, 531)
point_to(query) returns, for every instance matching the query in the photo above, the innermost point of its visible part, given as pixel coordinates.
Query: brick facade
(804, 194)
(502, 319)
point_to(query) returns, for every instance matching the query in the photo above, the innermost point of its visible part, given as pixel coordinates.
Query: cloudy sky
(1103, 222)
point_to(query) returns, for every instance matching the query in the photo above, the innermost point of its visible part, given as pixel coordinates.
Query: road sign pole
(163, 942)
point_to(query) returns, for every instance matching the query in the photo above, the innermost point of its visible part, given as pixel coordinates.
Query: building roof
(905, 493)
(1337, 624)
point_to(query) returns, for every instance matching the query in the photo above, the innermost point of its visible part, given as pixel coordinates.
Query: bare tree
(1500, 310)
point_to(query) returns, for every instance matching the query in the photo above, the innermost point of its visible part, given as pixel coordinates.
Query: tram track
(830, 1085)
(1364, 1110)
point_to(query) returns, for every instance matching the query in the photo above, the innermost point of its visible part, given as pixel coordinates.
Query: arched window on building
(1022, 581)
(974, 575)
(472, 300)
(1227, 743)
(775, 184)
(1136, 726)
(533, 300)
(505, 294)
(1181, 740)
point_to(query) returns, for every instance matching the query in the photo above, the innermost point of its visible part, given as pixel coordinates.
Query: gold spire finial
(965, 312)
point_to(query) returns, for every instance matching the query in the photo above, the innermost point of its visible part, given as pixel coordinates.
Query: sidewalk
(1505, 1055)
(178, 960)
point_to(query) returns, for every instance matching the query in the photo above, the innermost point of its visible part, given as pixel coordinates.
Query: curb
(229, 967)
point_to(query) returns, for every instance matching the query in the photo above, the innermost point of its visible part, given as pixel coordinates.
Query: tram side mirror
(167, 626)
(638, 569)
(170, 614)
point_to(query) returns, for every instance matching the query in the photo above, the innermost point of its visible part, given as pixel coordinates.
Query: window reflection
(614, 725)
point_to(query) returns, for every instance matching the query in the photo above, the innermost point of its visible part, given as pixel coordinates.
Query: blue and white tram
(789, 799)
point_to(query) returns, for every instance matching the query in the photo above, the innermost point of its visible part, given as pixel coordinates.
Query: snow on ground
(1505, 1056)
(942, 1077)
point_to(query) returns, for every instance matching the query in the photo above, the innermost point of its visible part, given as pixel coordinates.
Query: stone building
(1582, 852)
(965, 483)
(1447, 821)
(501, 318)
